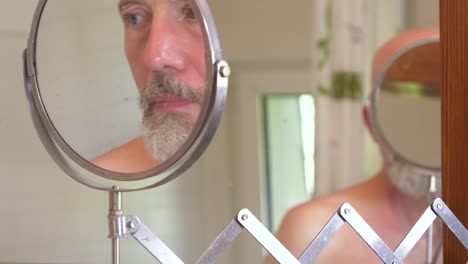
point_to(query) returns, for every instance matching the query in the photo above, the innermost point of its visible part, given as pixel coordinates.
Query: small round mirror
(125, 89)
(406, 104)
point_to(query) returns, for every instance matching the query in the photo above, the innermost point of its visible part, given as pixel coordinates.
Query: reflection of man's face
(165, 50)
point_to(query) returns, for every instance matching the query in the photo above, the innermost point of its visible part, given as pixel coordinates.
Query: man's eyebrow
(180, 1)
(123, 3)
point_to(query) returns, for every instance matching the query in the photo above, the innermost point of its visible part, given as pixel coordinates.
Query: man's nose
(163, 49)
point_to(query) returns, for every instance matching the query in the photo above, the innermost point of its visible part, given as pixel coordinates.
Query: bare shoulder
(319, 210)
(303, 222)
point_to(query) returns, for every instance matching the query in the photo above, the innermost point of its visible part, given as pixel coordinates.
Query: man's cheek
(139, 76)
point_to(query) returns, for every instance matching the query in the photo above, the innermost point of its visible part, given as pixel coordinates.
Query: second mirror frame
(374, 97)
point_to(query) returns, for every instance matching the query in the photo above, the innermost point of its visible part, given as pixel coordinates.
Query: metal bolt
(225, 71)
(132, 224)
(245, 217)
(347, 211)
(439, 206)
(394, 262)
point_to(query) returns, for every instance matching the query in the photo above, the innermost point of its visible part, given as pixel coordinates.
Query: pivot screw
(439, 206)
(347, 211)
(245, 217)
(132, 224)
(225, 71)
(394, 262)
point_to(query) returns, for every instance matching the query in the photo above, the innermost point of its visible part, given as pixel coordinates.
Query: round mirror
(406, 104)
(125, 89)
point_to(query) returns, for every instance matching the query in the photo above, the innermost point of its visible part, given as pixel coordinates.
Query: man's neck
(405, 206)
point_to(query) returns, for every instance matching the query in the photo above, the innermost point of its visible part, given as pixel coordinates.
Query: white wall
(264, 31)
(422, 13)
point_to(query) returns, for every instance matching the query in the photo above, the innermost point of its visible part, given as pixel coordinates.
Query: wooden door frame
(454, 48)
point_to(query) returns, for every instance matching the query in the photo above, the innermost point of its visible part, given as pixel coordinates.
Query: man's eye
(133, 19)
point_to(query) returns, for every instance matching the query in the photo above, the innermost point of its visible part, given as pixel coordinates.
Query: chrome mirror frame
(217, 73)
(373, 103)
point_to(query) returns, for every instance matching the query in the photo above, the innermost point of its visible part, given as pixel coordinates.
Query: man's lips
(169, 102)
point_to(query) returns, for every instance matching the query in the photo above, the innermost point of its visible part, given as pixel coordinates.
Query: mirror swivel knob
(225, 71)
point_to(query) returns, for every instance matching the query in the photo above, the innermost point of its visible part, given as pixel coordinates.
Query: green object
(323, 90)
(346, 85)
(412, 89)
(323, 45)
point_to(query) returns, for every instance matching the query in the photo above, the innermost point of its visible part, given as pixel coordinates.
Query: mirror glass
(123, 82)
(409, 105)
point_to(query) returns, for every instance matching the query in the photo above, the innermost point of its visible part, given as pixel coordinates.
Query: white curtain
(345, 37)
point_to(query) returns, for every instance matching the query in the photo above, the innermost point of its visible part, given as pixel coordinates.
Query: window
(289, 134)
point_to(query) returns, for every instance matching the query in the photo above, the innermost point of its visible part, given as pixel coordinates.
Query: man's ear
(365, 116)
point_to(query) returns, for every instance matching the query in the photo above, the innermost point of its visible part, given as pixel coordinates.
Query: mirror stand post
(116, 220)
(121, 225)
(430, 257)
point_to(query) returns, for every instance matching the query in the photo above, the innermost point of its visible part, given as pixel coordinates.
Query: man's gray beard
(410, 179)
(164, 133)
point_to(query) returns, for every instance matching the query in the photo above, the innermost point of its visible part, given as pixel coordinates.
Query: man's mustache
(163, 84)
